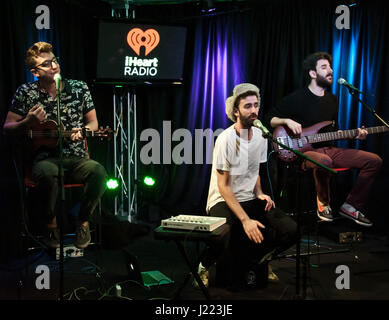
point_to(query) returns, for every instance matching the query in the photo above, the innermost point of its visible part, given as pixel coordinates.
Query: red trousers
(368, 164)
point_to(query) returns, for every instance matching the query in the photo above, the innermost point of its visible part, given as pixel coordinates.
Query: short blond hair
(33, 52)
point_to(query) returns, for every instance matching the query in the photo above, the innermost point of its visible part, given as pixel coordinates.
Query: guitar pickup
(290, 142)
(280, 140)
(300, 143)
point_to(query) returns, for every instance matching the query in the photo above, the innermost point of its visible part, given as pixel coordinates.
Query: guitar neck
(342, 135)
(54, 133)
(68, 133)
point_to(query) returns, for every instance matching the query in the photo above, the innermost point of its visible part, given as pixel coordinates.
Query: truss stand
(125, 150)
(122, 9)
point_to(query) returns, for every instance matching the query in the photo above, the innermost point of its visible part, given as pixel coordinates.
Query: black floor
(95, 275)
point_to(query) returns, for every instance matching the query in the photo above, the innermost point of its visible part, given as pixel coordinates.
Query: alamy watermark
(343, 20)
(343, 280)
(182, 152)
(43, 20)
(42, 281)
(192, 150)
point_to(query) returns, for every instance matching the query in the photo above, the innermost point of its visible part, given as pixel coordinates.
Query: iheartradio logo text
(136, 39)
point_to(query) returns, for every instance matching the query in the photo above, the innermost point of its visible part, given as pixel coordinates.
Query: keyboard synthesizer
(192, 222)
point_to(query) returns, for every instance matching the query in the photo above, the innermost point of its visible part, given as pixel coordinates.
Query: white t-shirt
(241, 158)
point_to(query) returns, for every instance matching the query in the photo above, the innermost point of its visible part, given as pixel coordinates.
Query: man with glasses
(33, 104)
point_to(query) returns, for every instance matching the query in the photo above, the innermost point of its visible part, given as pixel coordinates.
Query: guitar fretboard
(54, 134)
(346, 134)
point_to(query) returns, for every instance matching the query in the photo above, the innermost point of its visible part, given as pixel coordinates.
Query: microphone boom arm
(370, 109)
(266, 134)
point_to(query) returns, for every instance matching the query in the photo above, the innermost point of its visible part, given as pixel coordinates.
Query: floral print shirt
(75, 102)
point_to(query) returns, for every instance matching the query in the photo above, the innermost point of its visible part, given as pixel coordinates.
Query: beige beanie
(239, 90)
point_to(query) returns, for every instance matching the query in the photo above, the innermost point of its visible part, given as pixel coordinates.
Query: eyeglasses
(48, 63)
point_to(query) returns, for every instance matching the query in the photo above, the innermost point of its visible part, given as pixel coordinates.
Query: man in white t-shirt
(235, 191)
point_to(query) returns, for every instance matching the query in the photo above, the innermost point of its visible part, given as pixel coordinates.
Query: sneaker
(348, 211)
(271, 276)
(83, 237)
(51, 239)
(204, 276)
(324, 212)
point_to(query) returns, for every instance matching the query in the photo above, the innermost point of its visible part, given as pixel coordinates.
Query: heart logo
(136, 38)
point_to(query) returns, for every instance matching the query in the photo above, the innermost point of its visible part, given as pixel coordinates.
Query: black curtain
(280, 36)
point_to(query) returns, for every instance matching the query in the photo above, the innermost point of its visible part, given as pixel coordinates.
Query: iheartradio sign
(136, 39)
(140, 52)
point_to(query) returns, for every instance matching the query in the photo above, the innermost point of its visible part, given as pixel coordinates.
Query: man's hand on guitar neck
(362, 133)
(77, 135)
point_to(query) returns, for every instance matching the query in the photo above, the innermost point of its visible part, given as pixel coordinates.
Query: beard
(247, 122)
(323, 82)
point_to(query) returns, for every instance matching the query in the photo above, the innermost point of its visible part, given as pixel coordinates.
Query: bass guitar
(309, 136)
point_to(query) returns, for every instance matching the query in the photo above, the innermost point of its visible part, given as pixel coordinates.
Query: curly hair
(311, 61)
(33, 52)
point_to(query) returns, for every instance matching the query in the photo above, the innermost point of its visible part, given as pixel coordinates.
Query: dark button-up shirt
(75, 102)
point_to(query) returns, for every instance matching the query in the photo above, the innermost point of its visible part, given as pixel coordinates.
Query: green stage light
(112, 184)
(149, 181)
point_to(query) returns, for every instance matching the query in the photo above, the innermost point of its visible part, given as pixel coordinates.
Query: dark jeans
(368, 163)
(280, 234)
(76, 170)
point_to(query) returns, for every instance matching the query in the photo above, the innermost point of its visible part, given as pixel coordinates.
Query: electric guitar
(46, 134)
(310, 135)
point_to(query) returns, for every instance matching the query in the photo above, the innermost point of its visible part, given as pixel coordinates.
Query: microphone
(257, 123)
(348, 85)
(57, 79)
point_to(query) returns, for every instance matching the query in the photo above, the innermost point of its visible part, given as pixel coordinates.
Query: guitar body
(44, 134)
(310, 137)
(299, 143)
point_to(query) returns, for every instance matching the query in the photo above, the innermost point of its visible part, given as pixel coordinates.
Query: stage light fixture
(149, 181)
(112, 184)
(349, 3)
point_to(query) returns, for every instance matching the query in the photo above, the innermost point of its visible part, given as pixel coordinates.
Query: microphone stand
(60, 212)
(354, 94)
(266, 134)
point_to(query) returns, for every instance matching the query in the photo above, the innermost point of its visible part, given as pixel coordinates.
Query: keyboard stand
(178, 236)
